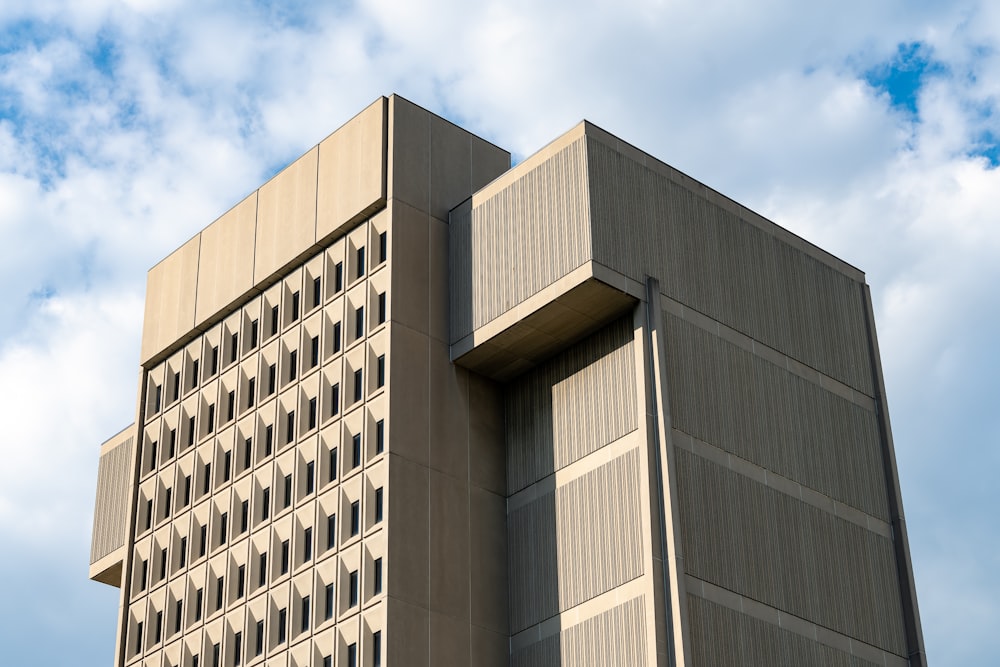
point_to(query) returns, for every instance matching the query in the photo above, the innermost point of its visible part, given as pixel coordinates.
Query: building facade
(407, 405)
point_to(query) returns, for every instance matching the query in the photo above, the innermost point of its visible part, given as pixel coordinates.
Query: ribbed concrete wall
(721, 636)
(707, 258)
(575, 543)
(571, 406)
(746, 405)
(520, 240)
(771, 547)
(614, 638)
(114, 485)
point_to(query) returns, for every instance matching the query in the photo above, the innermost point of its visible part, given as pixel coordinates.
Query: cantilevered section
(114, 489)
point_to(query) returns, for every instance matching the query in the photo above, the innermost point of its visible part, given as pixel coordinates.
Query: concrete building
(405, 405)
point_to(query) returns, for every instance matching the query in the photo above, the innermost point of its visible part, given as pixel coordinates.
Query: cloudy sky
(870, 127)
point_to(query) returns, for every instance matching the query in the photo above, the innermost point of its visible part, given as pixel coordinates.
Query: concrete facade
(406, 405)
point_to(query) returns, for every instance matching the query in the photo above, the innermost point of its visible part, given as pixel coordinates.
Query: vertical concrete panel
(171, 291)
(286, 216)
(352, 170)
(225, 265)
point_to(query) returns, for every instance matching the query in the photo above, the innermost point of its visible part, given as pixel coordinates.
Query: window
(358, 385)
(163, 564)
(215, 361)
(223, 527)
(138, 637)
(259, 641)
(328, 602)
(220, 587)
(177, 386)
(310, 476)
(355, 517)
(227, 466)
(282, 625)
(216, 651)
(338, 277)
(251, 391)
(194, 373)
(380, 436)
(265, 510)
(380, 371)
(244, 516)
(383, 247)
(158, 399)
(268, 439)
(187, 490)
(327, 661)
(305, 614)
(234, 347)
(172, 443)
(262, 576)
(377, 586)
(336, 337)
(314, 352)
(247, 453)
(381, 307)
(293, 364)
(208, 478)
(312, 413)
(152, 455)
(254, 328)
(284, 557)
(231, 406)
(210, 426)
(331, 531)
(194, 660)
(288, 490)
(307, 545)
(238, 648)
(333, 464)
(191, 430)
(290, 426)
(377, 649)
(203, 544)
(334, 399)
(167, 502)
(274, 320)
(378, 504)
(317, 292)
(178, 615)
(360, 254)
(353, 591)
(272, 378)
(241, 583)
(199, 599)
(158, 629)
(295, 306)
(356, 451)
(359, 322)
(149, 514)
(144, 573)
(182, 557)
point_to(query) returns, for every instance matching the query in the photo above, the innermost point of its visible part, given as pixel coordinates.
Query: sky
(870, 128)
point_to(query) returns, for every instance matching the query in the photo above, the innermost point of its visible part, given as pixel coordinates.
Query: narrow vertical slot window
(168, 501)
(177, 386)
(352, 655)
(178, 615)
(336, 337)
(310, 476)
(314, 352)
(358, 385)
(317, 291)
(338, 277)
(288, 491)
(290, 426)
(307, 545)
(220, 587)
(359, 322)
(199, 601)
(208, 478)
(380, 436)
(377, 648)
(259, 640)
(241, 585)
(223, 527)
(381, 307)
(355, 518)
(383, 247)
(262, 573)
(238, 649)
(293, 365)
(305, 614)
(284, 557)
(158, 399)
(254, 331)
(138, 637)
(377, 583)
(227, 465)
(152, 455)
(380, 371)
(333, 464)
(244, 516)
(210, 426)
(265, 510)
(268, 439)
(247, 453)
(360, 261)
(214, 367)
(282, 625)
(331, 531)
(295, 306)
(378, 504)
(172, 443)
(231, 407)
(182, 557)
(251, 391)
(234, 347)
(353, 590)
(187, 490)
(328, 602)
(194, 373)
(191, 430)
(334, 399)
(202, 540)
(272, 378)
(274, 320)
(355, 450)
(312, 413)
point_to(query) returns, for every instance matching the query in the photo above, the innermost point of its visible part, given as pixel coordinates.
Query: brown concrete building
(405, 405)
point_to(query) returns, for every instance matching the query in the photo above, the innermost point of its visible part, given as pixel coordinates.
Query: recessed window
(187, 490)
(227, 466)
(210, 426)
(163, 564)
(380, 371)
(383, 247)
(355, 518)
(199, 600)
(272, 378)
(241, 584)
(307, 545)
(172, 443)
(328, 602)
(223, 527)
(336, 337)
(359, 322)
(207, 485)
(265, 510)
(295, 306)
(268, 439)
(284, 557)
(381, 307)
(159, 397)
(274, 320)
(191, 430)
(202, 540)
(378, 504)
(377, 648)
(353, 591)
(178, 615)
(143, 574)
(262, 573)
(238, 649)
(293, 364)
(149, 514)
(177, 386)
(338, 277)
(194, 373)
(335, 399)
(352, 655)
(254, 330)
(333, 464)
(331, 531)
(231, 406)
(259, 640)
(152, 455)
(251, 391)
(305, 613)
(377, 577)
(220, 587)
(380, 436)
(214, 367)
(182, 557)
(167, 502)
(138, 637)
(234, 347)
(317, 291)
(282, 625)
(247, 453)
(360, 261)
(356, 450)
(312, 413)
(310, 476)
(244, 516)
(288, 490)
(358, 385)
(314, 352)
(216, 653)
(290, 426)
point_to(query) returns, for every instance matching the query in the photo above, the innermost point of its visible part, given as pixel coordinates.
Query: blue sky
(869, 128)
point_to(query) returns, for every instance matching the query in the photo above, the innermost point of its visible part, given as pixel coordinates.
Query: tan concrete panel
(170, 299)
(352, 168)
(286, 216)
(409, 154)
(225, 266)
